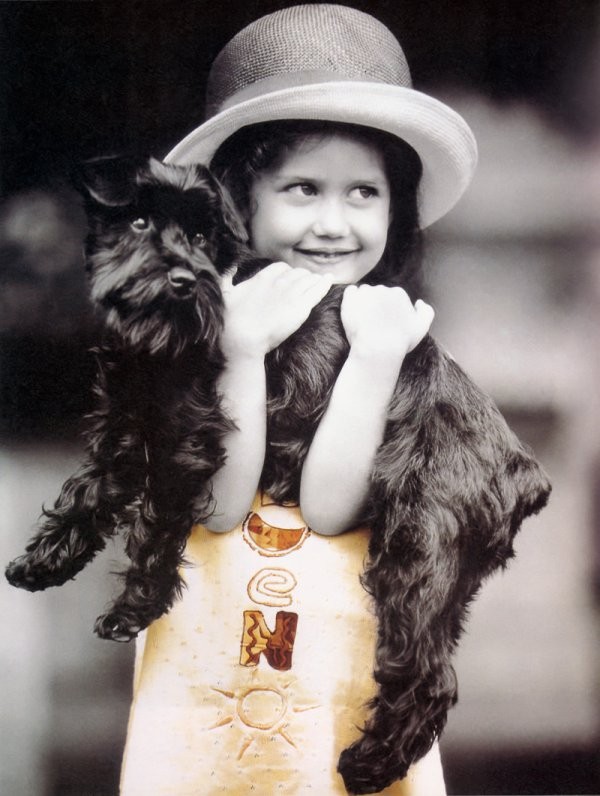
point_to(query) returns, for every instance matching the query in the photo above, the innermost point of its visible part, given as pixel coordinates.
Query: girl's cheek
(270, 231)
(291, 216)
(284, 221)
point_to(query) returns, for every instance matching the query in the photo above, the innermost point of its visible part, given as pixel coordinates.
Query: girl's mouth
(326, 255)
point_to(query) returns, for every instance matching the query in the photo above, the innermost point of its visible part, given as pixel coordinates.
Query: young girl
(258, 679)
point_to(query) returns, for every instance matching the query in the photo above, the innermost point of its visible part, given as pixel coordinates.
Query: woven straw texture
(336, 64)
(327, 38)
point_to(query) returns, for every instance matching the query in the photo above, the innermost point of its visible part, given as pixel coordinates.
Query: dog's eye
(140, 224)
(199, 240)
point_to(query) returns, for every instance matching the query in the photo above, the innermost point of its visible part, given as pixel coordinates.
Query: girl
(320, 203)
(259, 678)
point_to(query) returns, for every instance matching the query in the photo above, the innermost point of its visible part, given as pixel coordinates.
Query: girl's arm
(382, 326)
(259, 314)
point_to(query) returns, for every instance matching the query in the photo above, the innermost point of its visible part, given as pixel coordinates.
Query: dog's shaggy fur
(160, 238)
(450, 487)
(451, 483)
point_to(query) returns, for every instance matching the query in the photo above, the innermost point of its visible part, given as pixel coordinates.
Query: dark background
(79, 79)
(83, 78)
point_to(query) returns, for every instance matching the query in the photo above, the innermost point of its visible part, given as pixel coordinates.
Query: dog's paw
(357, 776)
(117, 627)
(24, 574)
(363, 773)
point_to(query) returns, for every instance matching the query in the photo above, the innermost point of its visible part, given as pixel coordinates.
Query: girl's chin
(340, 268)
(337, 274)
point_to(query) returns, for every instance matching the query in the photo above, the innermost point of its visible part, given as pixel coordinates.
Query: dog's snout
(182, 280)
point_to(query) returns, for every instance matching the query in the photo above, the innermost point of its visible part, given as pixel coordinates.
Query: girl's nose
(331, 220)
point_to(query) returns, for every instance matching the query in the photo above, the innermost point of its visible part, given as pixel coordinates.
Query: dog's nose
(182, 280)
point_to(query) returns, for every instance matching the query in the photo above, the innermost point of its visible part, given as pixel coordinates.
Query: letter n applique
(277, 646)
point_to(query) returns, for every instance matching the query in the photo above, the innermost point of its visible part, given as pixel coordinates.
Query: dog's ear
(521, 486)
(109, 180)
(230, 214)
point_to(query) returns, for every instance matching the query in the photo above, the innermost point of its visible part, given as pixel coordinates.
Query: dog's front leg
(91, 501)
(73, 532)
(153, 582)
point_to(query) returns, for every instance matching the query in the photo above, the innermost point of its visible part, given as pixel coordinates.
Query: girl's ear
(108, 181)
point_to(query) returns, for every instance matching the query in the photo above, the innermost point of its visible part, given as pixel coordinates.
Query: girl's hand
(263, 311)
(383, 320)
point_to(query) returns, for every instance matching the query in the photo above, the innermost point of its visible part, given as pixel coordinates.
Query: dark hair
(256, 148)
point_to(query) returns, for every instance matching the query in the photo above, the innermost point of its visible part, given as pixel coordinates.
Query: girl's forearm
(243, 390)
(260, 313)
(336, 473)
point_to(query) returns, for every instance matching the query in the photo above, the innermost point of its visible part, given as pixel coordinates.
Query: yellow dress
(257, 679)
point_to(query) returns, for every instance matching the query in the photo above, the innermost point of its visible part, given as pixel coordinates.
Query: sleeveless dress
(257, 679)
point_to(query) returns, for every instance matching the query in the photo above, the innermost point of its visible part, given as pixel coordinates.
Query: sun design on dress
(261, 710)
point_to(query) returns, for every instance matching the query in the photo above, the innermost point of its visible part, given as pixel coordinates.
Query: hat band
(283, 80)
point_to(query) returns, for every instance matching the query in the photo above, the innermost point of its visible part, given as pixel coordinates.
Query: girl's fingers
(319, 286)
(271, 272)
(227, 281)
(306, 294)
(424, 315)
(424, 312)
(265, 309)
(281, 277)
(298, 276)
(384, 318)
(349, 298)
(298, 284)
(423, 318)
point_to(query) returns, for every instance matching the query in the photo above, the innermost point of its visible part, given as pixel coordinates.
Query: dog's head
(160, 239)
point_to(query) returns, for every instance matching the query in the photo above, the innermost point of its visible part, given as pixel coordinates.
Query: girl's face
(324, 207)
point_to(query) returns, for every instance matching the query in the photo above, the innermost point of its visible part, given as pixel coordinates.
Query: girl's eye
(302, 189)
(199, 240)
(140, 224)
(364, 191)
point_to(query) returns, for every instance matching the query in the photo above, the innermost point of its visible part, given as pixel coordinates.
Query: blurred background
(514, 275)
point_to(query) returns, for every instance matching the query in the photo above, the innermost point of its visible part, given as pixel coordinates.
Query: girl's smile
(325, 207)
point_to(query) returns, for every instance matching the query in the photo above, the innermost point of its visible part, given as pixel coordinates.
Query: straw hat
(333, 63)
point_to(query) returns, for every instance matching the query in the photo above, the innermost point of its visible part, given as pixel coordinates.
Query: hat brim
(440, 136)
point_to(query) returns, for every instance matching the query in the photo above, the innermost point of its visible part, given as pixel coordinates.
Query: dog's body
(450, 486)
(160, 239)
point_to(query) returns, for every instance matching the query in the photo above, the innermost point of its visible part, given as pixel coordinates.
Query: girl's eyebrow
(370, 181)
(294, 177)
(307, 177)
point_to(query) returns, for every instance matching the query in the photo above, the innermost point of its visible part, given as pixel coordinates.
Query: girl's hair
(257, 148)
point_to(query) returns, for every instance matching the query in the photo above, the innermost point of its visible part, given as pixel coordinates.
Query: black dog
(450, 486)
(160, 238)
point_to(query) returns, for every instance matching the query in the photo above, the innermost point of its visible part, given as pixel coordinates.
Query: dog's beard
(148, 307)
(148, 318)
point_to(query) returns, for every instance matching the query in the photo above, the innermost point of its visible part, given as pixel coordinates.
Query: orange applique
(269, 540)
